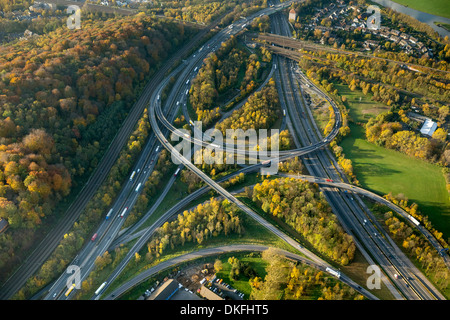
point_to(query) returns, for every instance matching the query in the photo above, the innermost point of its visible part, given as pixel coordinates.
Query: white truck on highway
(100, 288)
(413, 220)
(109, 214)
(138, 187)
(123, 212)
(335, 273)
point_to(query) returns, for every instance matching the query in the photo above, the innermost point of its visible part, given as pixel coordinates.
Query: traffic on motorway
(342, 196)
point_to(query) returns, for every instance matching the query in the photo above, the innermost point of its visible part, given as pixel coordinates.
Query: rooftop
(165, 291)
(428, 127)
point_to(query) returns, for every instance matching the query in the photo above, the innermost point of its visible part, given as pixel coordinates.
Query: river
(419, 15)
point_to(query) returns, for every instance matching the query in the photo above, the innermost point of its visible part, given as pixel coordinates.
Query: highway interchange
(52, 239)
(350, 210)
(354, 216)
(89, 253)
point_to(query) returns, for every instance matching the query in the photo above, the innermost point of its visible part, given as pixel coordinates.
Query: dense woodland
(204, 11)
(301, 205)
(243, 9)
(427, 84)
(287, 280)
(194, 11)
(14, 244)
(207, 220)
(53, 93)
(61, 102)
(229, 72)
(387, 130)
(291, 166)
(11, 5)
(261, 24)
(260, 111)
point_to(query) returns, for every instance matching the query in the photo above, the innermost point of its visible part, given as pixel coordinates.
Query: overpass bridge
(293, 48)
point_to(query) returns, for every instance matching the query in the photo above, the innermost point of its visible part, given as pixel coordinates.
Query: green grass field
(382, 171)
(361, 108)
(437, 7)
(242, 283)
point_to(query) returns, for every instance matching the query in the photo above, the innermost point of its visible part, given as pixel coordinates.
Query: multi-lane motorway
(109, 228)
(393, 261)
(180, 96)
(52, 239)
(353, 214)
(351, 211)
